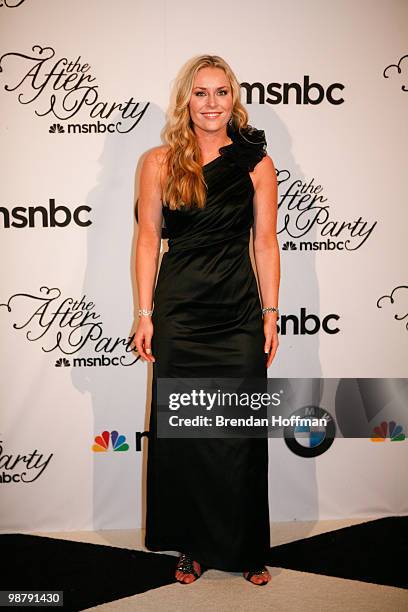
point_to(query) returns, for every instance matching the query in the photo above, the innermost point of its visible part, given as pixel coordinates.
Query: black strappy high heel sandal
(258, 572)
(186, 566)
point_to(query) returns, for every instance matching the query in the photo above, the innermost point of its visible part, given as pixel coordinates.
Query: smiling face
(211, 100)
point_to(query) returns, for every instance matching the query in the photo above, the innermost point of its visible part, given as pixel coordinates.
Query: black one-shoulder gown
(209, 497)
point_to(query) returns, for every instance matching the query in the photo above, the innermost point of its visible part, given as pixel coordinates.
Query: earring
(230, 122)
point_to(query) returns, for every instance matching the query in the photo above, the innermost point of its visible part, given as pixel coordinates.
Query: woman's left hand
(271, 336)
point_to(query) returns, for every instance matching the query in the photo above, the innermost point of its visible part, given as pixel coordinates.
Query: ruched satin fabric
(209, 497)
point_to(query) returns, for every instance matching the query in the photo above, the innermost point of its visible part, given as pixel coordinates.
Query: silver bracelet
(143, 312)
(270, 309)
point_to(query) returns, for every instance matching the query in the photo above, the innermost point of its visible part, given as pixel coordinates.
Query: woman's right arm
(148, 244)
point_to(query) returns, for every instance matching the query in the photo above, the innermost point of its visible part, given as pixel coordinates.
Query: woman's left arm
(266, 247)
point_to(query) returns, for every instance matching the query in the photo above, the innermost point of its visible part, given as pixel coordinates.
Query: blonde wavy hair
(184, 184)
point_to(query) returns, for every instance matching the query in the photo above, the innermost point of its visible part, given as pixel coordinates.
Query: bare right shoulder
(152, 175)
(151, 183)
(153, 168)
(156, 156)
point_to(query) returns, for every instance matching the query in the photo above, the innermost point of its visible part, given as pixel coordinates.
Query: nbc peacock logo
(117, 442)
(62, 362)
(391, 429)
(56, 128)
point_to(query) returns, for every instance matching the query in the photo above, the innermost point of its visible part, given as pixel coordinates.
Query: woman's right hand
(143, 339)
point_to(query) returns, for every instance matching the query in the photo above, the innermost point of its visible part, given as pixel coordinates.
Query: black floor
(91, 574)
(376, 551)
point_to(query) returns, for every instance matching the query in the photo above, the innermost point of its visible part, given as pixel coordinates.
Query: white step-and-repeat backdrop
(84, 87)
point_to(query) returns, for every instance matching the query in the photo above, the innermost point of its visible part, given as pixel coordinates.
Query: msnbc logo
(394, 431)
(102, 442)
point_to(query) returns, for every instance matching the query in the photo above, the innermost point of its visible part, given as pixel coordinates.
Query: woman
(211, 182)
